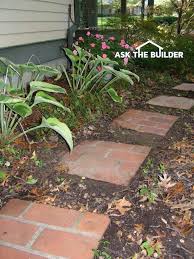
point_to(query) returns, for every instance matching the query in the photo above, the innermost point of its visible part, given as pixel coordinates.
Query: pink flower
(81, 39)
(88, 33)
(125, 61)
(112, 38)
(99, 68)
(104, 45)
(122, 43)
(104, 55)
(75, 52)
(92, 45)
(127, 46)
(99, 36)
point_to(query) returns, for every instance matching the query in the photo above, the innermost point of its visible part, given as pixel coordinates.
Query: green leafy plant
(17, 75)
(101, 253)
(147, 194)
(3, 176)
(17, 103)
(94, 74)
(31, 181)
(152, 246)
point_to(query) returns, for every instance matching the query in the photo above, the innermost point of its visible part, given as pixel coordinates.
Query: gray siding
(31, 21)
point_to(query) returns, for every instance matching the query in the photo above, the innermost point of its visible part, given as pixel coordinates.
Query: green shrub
(165, 19)
(181, 66)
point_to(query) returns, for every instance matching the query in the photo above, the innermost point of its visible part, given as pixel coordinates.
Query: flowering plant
(89, 73)
(98, 44)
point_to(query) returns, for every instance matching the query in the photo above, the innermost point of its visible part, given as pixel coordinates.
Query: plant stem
(26, 131)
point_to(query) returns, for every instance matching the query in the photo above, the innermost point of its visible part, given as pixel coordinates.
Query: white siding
(30, 21)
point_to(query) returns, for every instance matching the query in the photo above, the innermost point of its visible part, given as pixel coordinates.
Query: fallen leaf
(165, 181)
(185, 224)
(175, 191)
(62, 168)
(121, 205)
(139, 228)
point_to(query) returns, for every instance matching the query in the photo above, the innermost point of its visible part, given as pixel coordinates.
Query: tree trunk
(123, 7)
(150, 9)
(179, 22)
(142, 9)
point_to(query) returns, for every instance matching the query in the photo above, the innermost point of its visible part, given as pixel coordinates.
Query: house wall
(33, 27)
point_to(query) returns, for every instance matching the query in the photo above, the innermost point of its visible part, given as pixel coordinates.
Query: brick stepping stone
(172, 102)
(143, 121)
(36, 231)
(185, 87)
(106, 161)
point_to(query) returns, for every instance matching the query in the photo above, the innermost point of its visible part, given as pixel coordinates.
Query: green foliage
(3, 176)
(94, 74)
(147, 194)
(102, 253)
(184, 44)
(151, 247)
(31, 181)
(165, 19)
(17, 102)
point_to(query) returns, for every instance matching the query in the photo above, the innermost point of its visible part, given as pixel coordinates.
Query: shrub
(165, 19)
(181, 66)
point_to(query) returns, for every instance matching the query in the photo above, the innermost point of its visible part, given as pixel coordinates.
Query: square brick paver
(143, 121)
(37, 231)
(111, 162)
(12, 253)
(16, 232)
(66, 244)
(172, 102)
(185, 87)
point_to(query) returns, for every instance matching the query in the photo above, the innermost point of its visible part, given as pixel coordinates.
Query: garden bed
(36, 175)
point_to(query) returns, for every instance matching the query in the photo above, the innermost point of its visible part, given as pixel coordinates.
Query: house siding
(30, 21)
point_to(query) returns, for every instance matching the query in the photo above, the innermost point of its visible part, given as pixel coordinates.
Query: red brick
(143, 121)
(11, 253)
(14, 207)
(185, 87)
(172, 102)
(59, 243)
(52, 215)
(16, 232)
(102, 160)
(94, 223)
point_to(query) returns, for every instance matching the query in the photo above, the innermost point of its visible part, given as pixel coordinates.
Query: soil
(165, 223)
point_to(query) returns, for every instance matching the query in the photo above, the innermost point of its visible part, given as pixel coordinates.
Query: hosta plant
(17, 75)
(17, 103)
(94, 74)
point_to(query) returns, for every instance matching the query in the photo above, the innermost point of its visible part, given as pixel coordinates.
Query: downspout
(72, 27)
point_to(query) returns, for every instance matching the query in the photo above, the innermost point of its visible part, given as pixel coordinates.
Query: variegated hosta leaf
(23, 109)
(60, 127)
(113, 94)
(9, 99)
(43, 86)
(42, 97)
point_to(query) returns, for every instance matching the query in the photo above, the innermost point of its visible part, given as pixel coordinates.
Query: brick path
(111, 162)
(172, 102)
(143, 121)
(29, 231)
(35, 231)
(185, 87)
